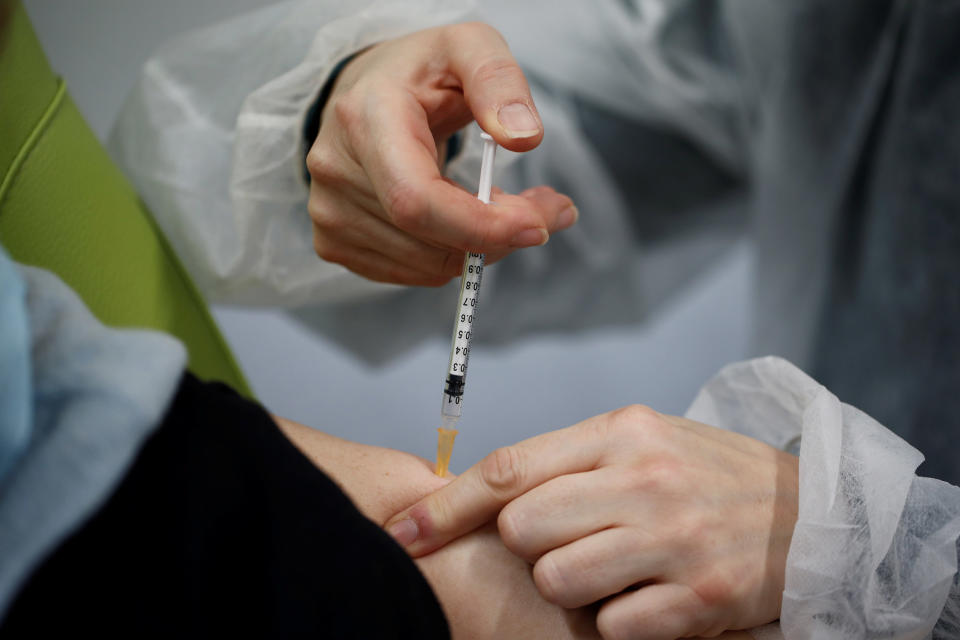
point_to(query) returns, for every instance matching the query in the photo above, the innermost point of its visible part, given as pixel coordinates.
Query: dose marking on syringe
(467, 304)
(469, 299)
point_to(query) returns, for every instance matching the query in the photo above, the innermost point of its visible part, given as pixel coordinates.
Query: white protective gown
(670, 124)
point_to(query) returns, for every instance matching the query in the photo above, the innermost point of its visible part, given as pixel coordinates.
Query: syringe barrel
(451, 404)
(465, 317)
(467, 302)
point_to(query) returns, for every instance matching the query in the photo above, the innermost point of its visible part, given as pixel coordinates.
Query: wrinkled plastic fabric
(666, 122)
(874, 551)
(240, 90)
(670, 125)
(226, 184)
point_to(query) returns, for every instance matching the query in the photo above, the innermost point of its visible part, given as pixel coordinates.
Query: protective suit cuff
(874, 550)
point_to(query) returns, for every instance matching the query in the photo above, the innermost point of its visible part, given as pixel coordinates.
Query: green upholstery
(66, 207)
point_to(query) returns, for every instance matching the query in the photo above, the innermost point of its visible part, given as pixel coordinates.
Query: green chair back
(66, 207)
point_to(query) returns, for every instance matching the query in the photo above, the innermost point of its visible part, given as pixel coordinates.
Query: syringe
(451, 405)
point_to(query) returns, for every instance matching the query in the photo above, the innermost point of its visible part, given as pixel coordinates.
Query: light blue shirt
(15, 406)
(77, 402)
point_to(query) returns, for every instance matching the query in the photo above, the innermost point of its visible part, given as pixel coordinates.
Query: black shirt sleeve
(223, 528)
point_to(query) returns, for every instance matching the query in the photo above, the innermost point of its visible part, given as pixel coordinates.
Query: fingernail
(530, 238)
(404, 532)
(518, 120)
(567, 217)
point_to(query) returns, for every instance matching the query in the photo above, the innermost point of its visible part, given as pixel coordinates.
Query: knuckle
(637, 413)
(660, 477)
(347, 110)
(511, 530)
(634, 481)
(467, 31)
(327, 223)
(710, 605)
(352, 112)
(502, 471)
(634, 421)
(327, 250)
(550, 581)
(612, 626)
(325, 166)
(442, 514)
(714, 590)
(316, 210)
(495, 69)
(314, 162)
(406, 207)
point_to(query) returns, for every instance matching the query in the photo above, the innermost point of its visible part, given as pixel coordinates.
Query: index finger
(478, 495)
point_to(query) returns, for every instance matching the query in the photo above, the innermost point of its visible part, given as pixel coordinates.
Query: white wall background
(99, 46)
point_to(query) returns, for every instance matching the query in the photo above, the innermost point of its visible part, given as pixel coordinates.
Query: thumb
(494, 87)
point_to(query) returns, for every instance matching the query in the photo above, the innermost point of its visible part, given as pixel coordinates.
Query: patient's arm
(485, 591)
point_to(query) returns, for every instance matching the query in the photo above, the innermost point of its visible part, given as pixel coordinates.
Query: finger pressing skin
(652, 612)
(484, 489)
(494, 86)
(599, 565)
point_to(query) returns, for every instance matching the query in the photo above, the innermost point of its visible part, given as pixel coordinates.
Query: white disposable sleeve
(633, 96)
(874, 551)
(226, 183)
(212, 138)
(670, 64)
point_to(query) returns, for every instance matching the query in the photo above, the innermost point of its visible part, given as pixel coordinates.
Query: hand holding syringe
(379, 201)
(467, 304)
